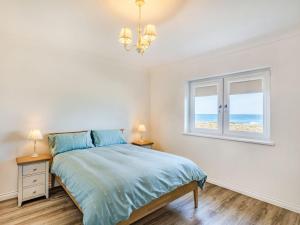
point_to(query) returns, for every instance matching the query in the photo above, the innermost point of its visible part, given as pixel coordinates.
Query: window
(234, 105)
(205, 113)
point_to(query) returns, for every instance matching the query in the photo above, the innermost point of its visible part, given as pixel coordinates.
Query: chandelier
(145, 36)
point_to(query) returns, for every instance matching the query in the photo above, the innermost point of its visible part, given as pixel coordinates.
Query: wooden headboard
(70, 132)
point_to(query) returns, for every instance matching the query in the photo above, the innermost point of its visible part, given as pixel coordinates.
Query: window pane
(206, 107)
(246, 106)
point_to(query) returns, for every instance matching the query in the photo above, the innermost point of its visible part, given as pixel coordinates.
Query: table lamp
(141, 129)
(35, 135)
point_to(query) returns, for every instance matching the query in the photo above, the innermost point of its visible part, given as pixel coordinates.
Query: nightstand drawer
(34, 180)
(33, 168)
(31, 192)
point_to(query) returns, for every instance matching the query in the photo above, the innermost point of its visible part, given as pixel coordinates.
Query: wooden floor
(217, 206)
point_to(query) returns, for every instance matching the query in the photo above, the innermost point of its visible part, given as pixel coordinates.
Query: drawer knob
(33, 192)
(34, 169)
(34, 181)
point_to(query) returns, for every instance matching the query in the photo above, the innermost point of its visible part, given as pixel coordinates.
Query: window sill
(260, 142)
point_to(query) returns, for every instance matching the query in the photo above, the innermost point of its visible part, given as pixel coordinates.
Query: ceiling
(186, 28)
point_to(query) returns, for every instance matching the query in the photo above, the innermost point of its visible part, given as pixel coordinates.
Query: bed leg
(196, 197)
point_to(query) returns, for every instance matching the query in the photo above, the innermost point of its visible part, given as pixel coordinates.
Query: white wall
(270, 173)
(54, 89)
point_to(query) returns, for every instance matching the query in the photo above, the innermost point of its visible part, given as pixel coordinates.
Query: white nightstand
(33, 177)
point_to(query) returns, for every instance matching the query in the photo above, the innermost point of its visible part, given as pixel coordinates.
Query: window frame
(262, 73)
(206, 83)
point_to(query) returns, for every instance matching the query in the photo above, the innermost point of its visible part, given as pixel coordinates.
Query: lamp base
(34, 155)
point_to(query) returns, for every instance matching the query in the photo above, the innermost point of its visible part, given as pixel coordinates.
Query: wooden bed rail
(152, 206)
(163, 201)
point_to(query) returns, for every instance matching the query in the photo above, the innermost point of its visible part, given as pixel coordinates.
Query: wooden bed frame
(152, 206)
(149, 208)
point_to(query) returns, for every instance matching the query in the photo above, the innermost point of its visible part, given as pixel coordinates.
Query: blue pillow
(60, 143)
(108, 137)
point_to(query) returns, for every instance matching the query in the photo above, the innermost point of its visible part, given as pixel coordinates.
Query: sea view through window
(246, 112)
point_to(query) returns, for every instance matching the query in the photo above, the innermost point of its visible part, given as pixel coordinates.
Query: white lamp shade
(35, 135)
(142, 128)
(150, 33)
(125, 36)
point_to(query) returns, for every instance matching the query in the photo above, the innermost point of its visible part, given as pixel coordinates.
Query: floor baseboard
(8, 195)
(264, 198)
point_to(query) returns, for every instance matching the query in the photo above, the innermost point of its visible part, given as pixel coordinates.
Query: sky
(239, 104)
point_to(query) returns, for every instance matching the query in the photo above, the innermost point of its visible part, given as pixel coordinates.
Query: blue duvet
(110, 182)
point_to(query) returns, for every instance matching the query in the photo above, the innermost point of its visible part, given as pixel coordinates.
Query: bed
(119, 184)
